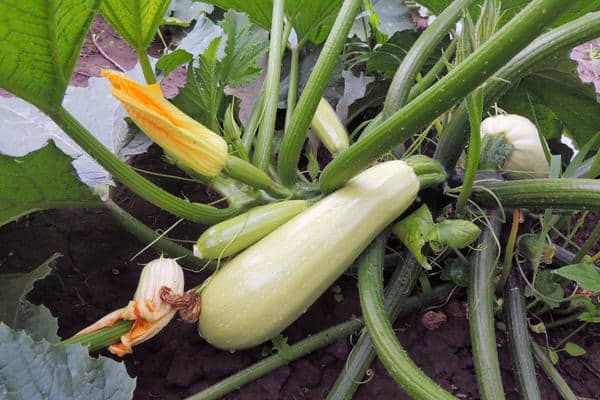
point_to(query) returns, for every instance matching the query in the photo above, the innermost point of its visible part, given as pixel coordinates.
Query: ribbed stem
(264, 140)
(144, 59)
(101, 338)
(255, 177)
(429, 172)
(362, 355)
(146, 235)
(481, 315)
(540, 194)
(292, 95)
(253, 120)
(295, 134)
(454, 137)
(126, 175)
(308, 345)
(391, 353)
(484, 62)
(553, 375)
(418, 54)
(518, 335)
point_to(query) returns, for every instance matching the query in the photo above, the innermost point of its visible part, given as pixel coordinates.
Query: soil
(95, 275)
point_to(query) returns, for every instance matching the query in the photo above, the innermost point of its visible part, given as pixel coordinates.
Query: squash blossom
(149, 312)
(181, 136)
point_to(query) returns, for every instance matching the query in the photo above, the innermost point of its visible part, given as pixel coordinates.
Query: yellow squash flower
(149, 312)
(181, 136)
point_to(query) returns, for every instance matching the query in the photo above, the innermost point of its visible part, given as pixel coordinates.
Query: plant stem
(587, 246)
(459, 82)
(539, 194)
(292, 94)
(295, 134)
(149, 75)
(510, 250)
(308, 345)
(264, 139)
(391, 353)
(452, 140)
(101, 338)
(146, 235)
(433, 74)
(518, 335)
(253, 119)
(553, 375)
(126, 175)
(481, 315)
(563, 321)
(255, 177)
(362, 355)
(418, 54)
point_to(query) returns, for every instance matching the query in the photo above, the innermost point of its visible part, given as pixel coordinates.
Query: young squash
(268, 286)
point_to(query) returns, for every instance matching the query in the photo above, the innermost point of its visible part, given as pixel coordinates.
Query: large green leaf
(39, 45)
(585, 275)
(41, 180)
(312, 19)
(31, 370)
(17, 312)
(135, 20)
(555, 84)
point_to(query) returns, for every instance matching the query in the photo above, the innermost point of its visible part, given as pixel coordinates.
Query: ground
(96, 275)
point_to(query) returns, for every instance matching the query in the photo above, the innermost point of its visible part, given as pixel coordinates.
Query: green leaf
(169, 62)
(40, 42)
(282, 347)
(413, 230)
(593, 317)
(556, 84)
(456, 271)
(17, 312)
(135, 20)
(455, 233)
(200, 97)
(574, 349)
(246, 43)
(585, 275)
(41, 180)
(40, 370)
(553, 356)
(312, 19)
(546, 284)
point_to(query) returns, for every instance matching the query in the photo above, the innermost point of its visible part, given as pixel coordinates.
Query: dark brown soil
(95, 275)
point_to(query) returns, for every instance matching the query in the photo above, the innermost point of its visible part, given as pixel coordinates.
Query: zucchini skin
(329, 128)
(268, 286)
(234, 235)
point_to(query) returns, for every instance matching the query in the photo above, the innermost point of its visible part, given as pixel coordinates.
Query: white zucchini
(268, 286)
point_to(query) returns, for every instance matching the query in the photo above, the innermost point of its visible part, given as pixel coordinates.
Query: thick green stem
(459, 82)
(418, 54)
(149, 75)
(453, 139)
(308, 345)
(428, 171)
(255, 177)
(518, 335)
(540, 194)
(146, 235)
(391, 353)
(481, 315)
(563, 321)
(292, 94)
(587, 246)
(552, 373)
(396, 292)
(253, 120)
(264, 140)
(295, 134)
(101, 338)
(126, 175)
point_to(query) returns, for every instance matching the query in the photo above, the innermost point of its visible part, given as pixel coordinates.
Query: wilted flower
(179, 135)
(149, 312)
(587, 56)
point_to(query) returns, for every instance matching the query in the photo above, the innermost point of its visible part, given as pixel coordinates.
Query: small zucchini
(268, 286)
(329, 129)
(234, 235)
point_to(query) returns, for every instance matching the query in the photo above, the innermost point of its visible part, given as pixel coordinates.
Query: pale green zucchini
(268, 286)
(329, 129)
(234, 235)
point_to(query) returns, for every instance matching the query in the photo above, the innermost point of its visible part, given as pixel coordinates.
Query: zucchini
(268, 286)
(234, 235)
(329, 129)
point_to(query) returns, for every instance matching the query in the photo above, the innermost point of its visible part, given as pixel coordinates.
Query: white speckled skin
(527, 159)
(268, 286)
